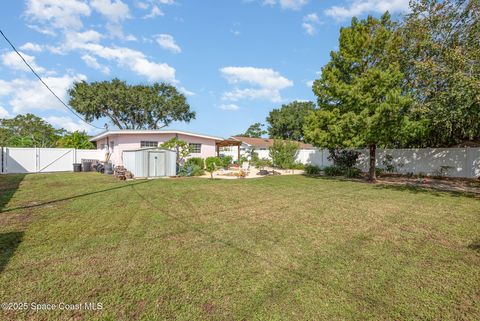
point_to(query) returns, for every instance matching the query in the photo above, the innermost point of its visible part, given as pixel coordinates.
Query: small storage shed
(150, 162)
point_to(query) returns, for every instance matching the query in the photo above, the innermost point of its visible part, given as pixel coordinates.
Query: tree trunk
(372, 177)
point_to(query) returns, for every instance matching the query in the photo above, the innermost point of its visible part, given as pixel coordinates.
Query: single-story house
(114, 142)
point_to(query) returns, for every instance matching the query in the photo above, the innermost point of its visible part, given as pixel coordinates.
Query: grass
(275, 248)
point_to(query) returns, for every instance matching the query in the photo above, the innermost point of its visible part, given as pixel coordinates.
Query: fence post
(37, 159)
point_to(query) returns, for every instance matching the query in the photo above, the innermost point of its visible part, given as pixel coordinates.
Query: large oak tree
(130, 106)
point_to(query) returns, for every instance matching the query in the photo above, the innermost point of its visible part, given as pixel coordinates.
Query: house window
(195, 148)
(146, 143)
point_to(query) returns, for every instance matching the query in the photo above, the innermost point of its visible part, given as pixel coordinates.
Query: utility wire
(43, 82)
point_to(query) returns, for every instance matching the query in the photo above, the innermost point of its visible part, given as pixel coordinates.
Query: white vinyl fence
(451, 162)
(39, 160)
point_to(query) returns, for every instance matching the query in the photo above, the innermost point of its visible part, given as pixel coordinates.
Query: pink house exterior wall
(132, 141)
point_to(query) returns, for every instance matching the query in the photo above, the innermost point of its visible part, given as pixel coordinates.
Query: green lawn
(276, 248)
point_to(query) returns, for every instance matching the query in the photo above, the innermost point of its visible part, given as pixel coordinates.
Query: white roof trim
(149, 131)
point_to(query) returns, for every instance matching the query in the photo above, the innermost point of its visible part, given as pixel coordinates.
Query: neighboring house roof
(149, 131)
(265, 142)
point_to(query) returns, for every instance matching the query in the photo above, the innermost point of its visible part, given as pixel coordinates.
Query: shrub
(344, 158)
(261, 163)
(379, 171)
(298, 166)
(226, 160)
(198, 161)
(388, 164)
(190, 170)
(333, 171)
(212, 163)
(283, 153)
(312, 170)
(352, 172)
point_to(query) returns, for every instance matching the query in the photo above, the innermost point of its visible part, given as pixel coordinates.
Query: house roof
(149, 131)
(266, 142)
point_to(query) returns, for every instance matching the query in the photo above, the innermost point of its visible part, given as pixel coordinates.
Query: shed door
(156, 164)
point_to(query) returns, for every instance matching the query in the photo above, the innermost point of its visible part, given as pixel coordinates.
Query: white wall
(37, 160)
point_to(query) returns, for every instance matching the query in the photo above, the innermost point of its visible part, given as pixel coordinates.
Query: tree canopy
(77, 139)
(441, 63)
(287, 122)
(130, 106)
(255, 130)
(28, 131)
(361, 98)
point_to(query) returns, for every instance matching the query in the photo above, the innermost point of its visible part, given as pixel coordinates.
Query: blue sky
(235, 60)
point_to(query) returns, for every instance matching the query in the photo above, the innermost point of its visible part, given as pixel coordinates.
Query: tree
(130, 106)
(182, 148)
(360, 92)
(287, 122)
(441, 62)
(283, 153)
(212, 163)
(77, 139)
(28, 131)
(256, 131)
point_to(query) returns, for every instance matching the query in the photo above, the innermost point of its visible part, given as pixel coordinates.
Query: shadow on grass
(475, 245)
(431, 190)
(427, 190)
(9, 184)
(71, 197)
(8, 244)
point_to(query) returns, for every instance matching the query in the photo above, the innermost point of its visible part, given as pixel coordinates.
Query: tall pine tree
(361, 99)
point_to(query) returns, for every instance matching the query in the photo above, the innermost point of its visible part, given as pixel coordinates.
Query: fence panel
(20, 160)
(36, 160)
(55, 159)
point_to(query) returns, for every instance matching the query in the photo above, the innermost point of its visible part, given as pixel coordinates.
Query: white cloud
(4, 113)
(13, 61)
(309, 83)
(154, 12)
(5, 88)
(61, 14)
(229, 107)
(287, 4)
(113, 10)
(360, 7)
(29, 94)
(134, 60)
(68, 123)
(141, 5)
(263, 77)
(42, 30)
(186, 92)
(74, 38)
(268, 83)
(93, 63)
(29, 46)
(167, 42)
(116, 31)
(310, 22)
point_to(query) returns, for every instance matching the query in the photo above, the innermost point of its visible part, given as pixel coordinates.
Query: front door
(156, 164)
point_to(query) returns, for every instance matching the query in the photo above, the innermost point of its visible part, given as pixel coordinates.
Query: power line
(43, 82)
